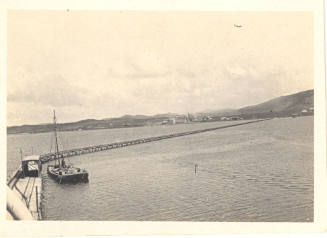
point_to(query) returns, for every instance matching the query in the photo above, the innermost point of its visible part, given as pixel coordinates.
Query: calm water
(255, 172)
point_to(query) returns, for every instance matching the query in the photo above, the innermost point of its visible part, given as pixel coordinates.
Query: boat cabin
(31, 166)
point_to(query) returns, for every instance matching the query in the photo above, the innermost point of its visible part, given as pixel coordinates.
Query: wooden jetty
(24, 191)
(91, 149)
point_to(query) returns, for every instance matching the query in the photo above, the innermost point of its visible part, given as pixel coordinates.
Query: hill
(282, 106)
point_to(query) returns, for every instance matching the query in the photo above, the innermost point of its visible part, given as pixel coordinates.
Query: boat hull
(81, 176)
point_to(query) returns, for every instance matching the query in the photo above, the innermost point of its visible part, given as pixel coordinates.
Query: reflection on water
(255, 172)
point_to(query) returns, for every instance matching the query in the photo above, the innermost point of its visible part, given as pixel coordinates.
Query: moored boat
(68, 174)
(61, 171)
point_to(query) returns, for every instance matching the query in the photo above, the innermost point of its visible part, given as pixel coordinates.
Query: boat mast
(56, 139)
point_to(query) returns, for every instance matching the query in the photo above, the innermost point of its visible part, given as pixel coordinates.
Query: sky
(103, 64)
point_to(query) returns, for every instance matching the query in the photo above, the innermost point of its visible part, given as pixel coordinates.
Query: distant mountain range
(295, 104)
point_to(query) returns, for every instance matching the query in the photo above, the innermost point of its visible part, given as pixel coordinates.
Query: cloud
(145, 65)
(51, 90)
(252, 85)
(236, 71)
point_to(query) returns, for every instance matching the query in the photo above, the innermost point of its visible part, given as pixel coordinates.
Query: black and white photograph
(160, 116)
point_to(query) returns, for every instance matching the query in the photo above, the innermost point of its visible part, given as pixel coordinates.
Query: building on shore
(232, 118)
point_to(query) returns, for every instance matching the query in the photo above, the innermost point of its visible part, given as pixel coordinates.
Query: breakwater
(96, 148)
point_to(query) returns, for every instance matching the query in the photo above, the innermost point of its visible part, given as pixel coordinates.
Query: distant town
(178, 119)
(295, 105)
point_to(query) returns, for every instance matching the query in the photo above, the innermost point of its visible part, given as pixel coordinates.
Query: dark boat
(68, 174)
(61, 171)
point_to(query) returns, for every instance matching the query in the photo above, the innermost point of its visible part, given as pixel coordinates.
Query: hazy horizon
(138, 114)
(106, 64)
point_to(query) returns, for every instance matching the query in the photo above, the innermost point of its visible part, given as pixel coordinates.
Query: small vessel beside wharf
(61, 171)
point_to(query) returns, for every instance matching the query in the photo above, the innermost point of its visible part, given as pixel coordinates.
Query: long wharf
(91, 149)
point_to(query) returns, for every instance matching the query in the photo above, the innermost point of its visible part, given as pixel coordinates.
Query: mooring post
(37, 200)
